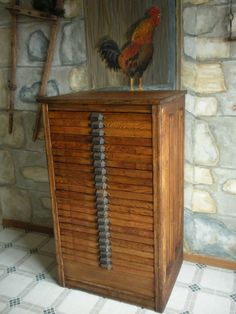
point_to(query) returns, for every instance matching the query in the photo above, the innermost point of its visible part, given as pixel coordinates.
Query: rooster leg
(132, 84)
(140, 86)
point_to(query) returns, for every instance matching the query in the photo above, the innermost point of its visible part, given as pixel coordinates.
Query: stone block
(225, 179)
(5, 46)
(37, 174)
(208, 236)
(15, 204)
(73, 8)
(188, 195)
(46, 202)
(199, 20)
(3, 91)
(28, 94)
(230, 75)
(62, 76)
(24, 159)
(7, 175)
(206, 152)
(16, 139)
(206, 20)
(189, 127)
(42, 217)
(196, 1)
(188, 173)
(28, 118)
(4, 16)
(203, 78)
(226, 102)
(32, 44)
(79, 78)
(73, 48)
(224, 129)
(204, 49)
(40, 214)
(37, 46)
(201, 106)
(203, 202)
(230, 186)
(202, 176)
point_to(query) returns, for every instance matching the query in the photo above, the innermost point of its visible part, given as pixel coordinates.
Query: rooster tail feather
(109, 52)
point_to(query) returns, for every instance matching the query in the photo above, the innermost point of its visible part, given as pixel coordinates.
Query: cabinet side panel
(171, 128)
(53, 195)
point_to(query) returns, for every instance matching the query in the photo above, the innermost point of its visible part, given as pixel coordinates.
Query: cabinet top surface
(119, 98)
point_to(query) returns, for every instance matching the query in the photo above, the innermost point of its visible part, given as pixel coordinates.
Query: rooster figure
(137, 53)
(48, 6)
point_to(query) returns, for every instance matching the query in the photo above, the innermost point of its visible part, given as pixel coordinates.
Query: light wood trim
(53, 194)
(12, 223)
(156, 194)
(210, 260)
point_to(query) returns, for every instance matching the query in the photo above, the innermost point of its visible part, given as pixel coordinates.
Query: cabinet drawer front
(128, 159)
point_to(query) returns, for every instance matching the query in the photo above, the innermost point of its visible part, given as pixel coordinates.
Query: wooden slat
(130, 173)
(73, 167)
(124, 296)
(117, 265)
(136, 284)
(130, 196)
(109, 156)
(70, 232)
(108, 132)
(108, 117)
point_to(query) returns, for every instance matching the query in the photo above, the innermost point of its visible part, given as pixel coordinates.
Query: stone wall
(209, 72)
(24, 188)
(209, 75)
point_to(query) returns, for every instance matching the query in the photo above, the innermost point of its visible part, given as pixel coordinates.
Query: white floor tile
(18, 310)
(31, 240)
(217, 279)
(11, 256)
(2, 306)
(211, 304)
(12, 285)
(44, 294)
(116, 307)
(78, 302)
(49, 247)
(37, 263)
(187, 273)
(178, 298)
(9, 234)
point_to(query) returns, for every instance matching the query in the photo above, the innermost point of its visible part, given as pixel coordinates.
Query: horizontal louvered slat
(128, 150)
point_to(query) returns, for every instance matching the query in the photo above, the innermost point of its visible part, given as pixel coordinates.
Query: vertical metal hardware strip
(102, 202)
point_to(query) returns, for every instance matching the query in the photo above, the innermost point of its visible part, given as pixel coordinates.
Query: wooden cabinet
(116, 174)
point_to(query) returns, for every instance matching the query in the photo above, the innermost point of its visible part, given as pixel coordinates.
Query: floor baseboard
(210, 260)
(11, 223)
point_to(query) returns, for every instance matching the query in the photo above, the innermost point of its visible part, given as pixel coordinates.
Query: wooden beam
(17, 10)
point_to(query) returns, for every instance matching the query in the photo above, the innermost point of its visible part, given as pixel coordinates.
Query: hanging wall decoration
(135, 37)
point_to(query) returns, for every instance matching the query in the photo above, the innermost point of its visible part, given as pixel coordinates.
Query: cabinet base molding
(11, 223)
(210, 260)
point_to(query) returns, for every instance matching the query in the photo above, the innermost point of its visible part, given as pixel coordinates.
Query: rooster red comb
(154, 11)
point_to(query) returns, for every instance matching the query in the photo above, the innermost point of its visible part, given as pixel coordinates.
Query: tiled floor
(28, 284)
